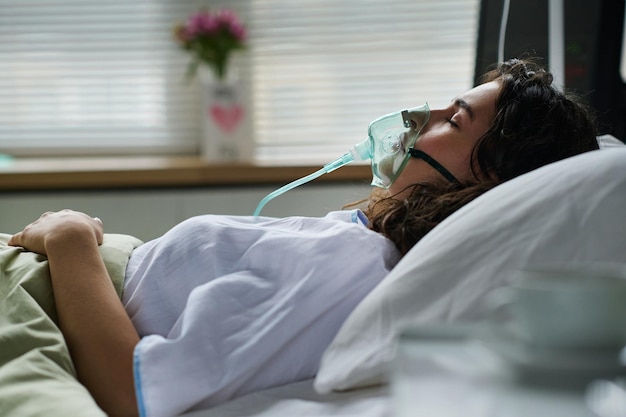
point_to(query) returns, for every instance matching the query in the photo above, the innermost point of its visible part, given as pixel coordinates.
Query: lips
(407, 141)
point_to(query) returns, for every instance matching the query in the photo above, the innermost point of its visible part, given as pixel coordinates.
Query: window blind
(82, 76)
(86, 76)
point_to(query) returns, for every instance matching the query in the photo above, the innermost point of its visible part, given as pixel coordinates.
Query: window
(86, 76)
(330, 67)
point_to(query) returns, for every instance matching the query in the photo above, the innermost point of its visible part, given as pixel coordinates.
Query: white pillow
(569, 211)
(609, 141)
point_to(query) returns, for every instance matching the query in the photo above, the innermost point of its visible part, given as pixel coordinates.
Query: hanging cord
(504, 20)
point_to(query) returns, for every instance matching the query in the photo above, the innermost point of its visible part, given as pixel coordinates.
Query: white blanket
(300, 399)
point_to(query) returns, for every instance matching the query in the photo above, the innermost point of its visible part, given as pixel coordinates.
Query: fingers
(99, 230)
(15, 238)
(18, 238)
(55, 220)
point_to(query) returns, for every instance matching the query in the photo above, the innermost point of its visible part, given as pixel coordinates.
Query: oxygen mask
(389, 139)
(389, 145)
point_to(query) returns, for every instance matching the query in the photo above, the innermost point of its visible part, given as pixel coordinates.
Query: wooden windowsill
(23, 174)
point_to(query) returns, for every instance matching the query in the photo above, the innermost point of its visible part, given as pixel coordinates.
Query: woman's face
(449, 137)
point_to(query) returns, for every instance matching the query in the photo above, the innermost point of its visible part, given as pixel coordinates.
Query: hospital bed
(567, 212)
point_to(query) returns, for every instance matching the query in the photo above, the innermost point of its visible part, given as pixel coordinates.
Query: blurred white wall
(147, 214)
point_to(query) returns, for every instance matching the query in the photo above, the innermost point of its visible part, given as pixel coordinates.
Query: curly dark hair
(535, 124)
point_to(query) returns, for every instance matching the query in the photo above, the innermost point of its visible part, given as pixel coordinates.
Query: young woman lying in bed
(221, 306)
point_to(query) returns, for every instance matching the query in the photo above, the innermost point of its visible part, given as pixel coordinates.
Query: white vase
(227, 122)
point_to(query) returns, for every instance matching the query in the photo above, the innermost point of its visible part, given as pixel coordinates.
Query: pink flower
(229, 21)
(211, 38)
(238, 31)
(201, 24)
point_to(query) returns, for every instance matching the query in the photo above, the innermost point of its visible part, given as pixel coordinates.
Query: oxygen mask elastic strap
(415, 153)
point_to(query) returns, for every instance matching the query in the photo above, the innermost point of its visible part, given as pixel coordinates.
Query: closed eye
(452, 123)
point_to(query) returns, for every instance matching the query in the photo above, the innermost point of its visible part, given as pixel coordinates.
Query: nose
(437, 116)
(418, 117)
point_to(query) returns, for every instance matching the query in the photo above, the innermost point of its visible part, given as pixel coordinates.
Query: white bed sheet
(300, 399)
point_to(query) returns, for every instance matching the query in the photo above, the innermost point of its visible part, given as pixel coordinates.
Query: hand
(58, 228)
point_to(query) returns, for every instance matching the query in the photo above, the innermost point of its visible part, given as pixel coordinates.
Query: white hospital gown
(228, 305)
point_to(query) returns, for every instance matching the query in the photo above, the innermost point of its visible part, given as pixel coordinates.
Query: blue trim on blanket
(359, 217)
(141, 405)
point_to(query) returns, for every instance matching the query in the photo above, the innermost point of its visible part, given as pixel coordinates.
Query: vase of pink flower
(211, 38)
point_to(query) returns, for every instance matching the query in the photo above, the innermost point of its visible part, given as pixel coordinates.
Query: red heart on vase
(227, 118)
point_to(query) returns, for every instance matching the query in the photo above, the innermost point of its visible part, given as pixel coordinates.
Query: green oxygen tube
(360, 152)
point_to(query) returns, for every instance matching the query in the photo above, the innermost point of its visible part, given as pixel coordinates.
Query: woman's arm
(99, 333)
